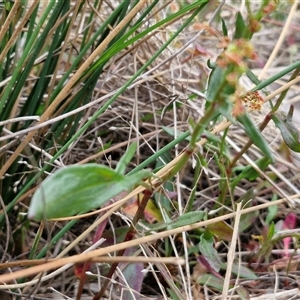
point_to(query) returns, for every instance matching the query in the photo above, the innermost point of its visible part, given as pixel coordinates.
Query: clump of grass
(113, 89)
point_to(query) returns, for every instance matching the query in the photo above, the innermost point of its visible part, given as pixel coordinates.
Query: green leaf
(210, 253)
(212, 281)
(249, 172)
(164, 201)
(247, 220)
(240, 270)
(183, 220)
(271, 231)
(221, 229)
(79, 188)
(126, 158)
(240, 27)
(224, 27)
(289, 131)
(206, 134)
(243, 293)
(173, 294)
(252, 77)
(255, 135)
(215, 82)
(272, 211)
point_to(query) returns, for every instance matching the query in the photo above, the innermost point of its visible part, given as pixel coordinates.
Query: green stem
(283, 94)
(277, 76)
(267, 118)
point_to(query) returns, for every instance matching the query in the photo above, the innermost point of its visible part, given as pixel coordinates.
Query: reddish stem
(83, 278)
(129, 236)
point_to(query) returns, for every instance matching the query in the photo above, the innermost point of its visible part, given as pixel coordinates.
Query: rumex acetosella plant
(59, 64)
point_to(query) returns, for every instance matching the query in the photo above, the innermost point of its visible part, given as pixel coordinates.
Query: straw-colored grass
(159, 101)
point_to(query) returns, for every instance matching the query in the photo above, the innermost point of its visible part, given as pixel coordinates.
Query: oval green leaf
(77, 189)
(289, 131)
(206, 247)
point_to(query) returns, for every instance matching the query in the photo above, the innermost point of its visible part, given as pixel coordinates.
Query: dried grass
(127, 121)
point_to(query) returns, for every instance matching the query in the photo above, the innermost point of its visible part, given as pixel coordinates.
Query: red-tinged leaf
(289, 223)
(252, 246)
(80, 269)
(197, 51)
(101, 227)
(151, 213)
(206, 247)
(132, 277)
(222, 230)
(202, 261)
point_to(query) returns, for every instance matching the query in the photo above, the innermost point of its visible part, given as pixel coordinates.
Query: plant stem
(265, 121)
(129, 236)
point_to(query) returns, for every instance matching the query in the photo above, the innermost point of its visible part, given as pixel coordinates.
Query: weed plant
(146, 149)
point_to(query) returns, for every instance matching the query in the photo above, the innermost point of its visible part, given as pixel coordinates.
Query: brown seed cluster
(253, 100)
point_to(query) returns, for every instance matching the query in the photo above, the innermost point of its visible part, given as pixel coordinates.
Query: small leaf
(240, 270)
(211, 64)
(255, 135)
(224, 27)
(183, 220)
(240, 27)
(247, 220)
(271, 231)
(222, 230)
(216, 78)
(126, 158)
(252, 77)
(243, 293)
(79, 188)
(243, 271)
(212, 281)
(249, 172)
(206, 134)
(160, 198)
(151, 213)
(173, 295)
(205, 264)
(290, 222)
(133, 277)
(187, 219)
(210, 253)
(272, 211)
(289, 132)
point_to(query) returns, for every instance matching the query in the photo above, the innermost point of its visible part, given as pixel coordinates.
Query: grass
(191, 91)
